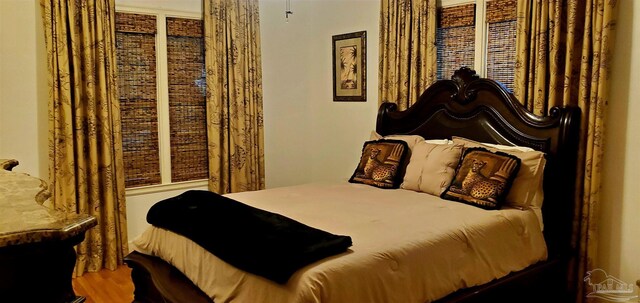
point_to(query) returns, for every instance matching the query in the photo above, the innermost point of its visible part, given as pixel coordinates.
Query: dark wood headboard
(484, 110)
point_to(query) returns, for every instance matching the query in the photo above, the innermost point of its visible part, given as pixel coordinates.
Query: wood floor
(106, 286)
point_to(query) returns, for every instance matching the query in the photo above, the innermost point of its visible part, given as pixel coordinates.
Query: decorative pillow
(379, 163)
(483, 178)
(431, 168)
(411, 140)
(526, 189)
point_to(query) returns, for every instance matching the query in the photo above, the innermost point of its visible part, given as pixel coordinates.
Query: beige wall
(619, 247)
(308, 136)
(23, 87)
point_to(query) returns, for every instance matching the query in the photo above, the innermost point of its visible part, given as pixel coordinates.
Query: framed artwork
(350, 67)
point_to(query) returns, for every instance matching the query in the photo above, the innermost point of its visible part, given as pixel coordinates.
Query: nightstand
(36, 242)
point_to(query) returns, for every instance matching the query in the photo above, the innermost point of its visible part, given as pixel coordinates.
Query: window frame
(162, 86)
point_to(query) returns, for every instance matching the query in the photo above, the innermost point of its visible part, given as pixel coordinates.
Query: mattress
(407, 247)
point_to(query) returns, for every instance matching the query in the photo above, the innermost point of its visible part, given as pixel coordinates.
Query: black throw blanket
(251, 239)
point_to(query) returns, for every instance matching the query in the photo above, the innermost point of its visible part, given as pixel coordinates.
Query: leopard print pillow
(483, 178)
(380, 163)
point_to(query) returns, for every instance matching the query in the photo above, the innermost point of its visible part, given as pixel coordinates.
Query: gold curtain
(408, 57)
(564, 52)
(85, 145)
(234, 95)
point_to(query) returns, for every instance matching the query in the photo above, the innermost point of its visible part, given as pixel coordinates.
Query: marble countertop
(24, 218)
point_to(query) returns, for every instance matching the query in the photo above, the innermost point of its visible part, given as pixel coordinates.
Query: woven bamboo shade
(501, 10)
(136, 58)
(455, 39)
(186, 73)
(501, 41)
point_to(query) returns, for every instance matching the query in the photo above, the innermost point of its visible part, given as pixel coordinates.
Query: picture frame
(350, 67)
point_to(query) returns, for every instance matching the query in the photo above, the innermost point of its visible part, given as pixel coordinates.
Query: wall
(308, 137)
(23, 87)
(619, 244)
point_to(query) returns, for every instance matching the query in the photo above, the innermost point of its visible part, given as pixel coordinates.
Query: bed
(466, 106)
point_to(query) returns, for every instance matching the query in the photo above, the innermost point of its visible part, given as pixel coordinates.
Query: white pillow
(410, 139)
(376, 136)
(496, 146)
(439, 141)
(509, 147)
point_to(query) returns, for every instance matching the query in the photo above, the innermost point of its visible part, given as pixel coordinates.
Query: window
(187, 115)
(479, 34)
(455, 38)
(501, 41)
(161, 78)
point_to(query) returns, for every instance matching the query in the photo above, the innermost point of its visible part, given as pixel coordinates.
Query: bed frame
(474, 108)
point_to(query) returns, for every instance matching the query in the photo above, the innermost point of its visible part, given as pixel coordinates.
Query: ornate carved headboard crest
(462, 78)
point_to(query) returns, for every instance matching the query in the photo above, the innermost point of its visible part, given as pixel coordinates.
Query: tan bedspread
(407, 247)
